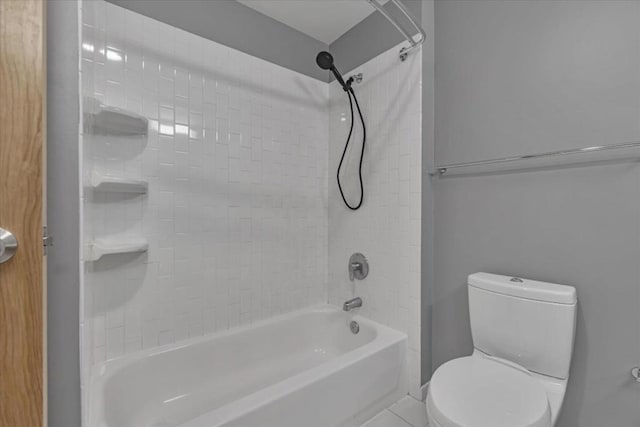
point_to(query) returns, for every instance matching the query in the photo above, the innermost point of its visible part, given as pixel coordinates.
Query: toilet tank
(525, 321)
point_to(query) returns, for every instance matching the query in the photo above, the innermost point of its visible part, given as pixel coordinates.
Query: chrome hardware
(635, 373)
(404, 52)
(516, 280)
(407, 34)
(47, 240)
(352, 303)
(355, 328)
(8, 245)
(358, 267)
(356, 78)
(442, 169)
(355, 269)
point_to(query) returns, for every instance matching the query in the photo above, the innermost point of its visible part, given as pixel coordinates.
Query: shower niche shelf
(113, 246)
(113, 184)
(100, 119)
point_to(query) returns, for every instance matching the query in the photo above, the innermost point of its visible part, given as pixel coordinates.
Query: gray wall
(533, 76)
(428, 225)
(372, 36)
(62, 214)
(240, 27)
(527, 77)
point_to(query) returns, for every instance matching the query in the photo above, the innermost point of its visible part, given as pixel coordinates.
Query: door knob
(8, 245)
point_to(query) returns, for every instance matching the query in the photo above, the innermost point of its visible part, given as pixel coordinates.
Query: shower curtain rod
(404, 52)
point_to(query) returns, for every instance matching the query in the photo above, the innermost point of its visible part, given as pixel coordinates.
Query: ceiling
(324, 20)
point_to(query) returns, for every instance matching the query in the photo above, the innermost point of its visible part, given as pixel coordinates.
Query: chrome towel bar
(443, 169)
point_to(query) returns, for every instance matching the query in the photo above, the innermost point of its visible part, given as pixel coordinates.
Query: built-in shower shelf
(112, 246)
(102, 119)
(104, 183)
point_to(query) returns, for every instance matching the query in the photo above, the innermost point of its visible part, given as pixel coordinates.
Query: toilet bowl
(523, 334)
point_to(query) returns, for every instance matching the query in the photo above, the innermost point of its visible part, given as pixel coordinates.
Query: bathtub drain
(355, 328)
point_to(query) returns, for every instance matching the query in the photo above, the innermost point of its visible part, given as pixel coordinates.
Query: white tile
(391, 211)
(115, 342)
(262, 173)
(386, 419)
(149, 334)
(411, 410)
(181, 105)
(181, 83)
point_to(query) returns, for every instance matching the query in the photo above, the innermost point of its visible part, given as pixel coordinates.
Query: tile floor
(407, 412)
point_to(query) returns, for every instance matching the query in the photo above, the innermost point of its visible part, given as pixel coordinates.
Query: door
(22, 144)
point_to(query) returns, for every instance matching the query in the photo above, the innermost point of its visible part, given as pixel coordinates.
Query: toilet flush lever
(635, 373)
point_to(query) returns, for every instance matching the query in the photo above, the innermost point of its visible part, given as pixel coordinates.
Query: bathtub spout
(352, 303)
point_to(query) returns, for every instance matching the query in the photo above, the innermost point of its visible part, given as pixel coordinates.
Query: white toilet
(523, 333)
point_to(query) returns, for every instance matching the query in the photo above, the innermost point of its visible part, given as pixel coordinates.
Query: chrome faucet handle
(358, 267)
(355, 266)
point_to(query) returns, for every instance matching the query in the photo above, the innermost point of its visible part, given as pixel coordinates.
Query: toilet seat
(476, 391)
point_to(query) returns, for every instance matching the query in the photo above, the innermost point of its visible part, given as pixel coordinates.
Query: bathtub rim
(120, 361)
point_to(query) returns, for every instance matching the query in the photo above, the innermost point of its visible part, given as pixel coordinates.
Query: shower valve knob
(358, 267)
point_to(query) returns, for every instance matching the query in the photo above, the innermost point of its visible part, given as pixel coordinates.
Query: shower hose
(352, 98)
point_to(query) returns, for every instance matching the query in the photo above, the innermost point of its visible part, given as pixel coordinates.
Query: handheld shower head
(325, 61)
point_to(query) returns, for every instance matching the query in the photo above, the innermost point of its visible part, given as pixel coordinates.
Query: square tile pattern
(236, 160)
(242, 216)
(386, 229)
(407, 412)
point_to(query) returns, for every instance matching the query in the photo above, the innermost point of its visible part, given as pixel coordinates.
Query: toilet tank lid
(524, 288)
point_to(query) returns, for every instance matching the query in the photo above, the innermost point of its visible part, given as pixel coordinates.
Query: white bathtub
(305, 369)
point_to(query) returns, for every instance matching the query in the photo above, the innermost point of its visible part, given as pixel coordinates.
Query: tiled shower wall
(386, 229)
(242, 210)
(236, 161)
